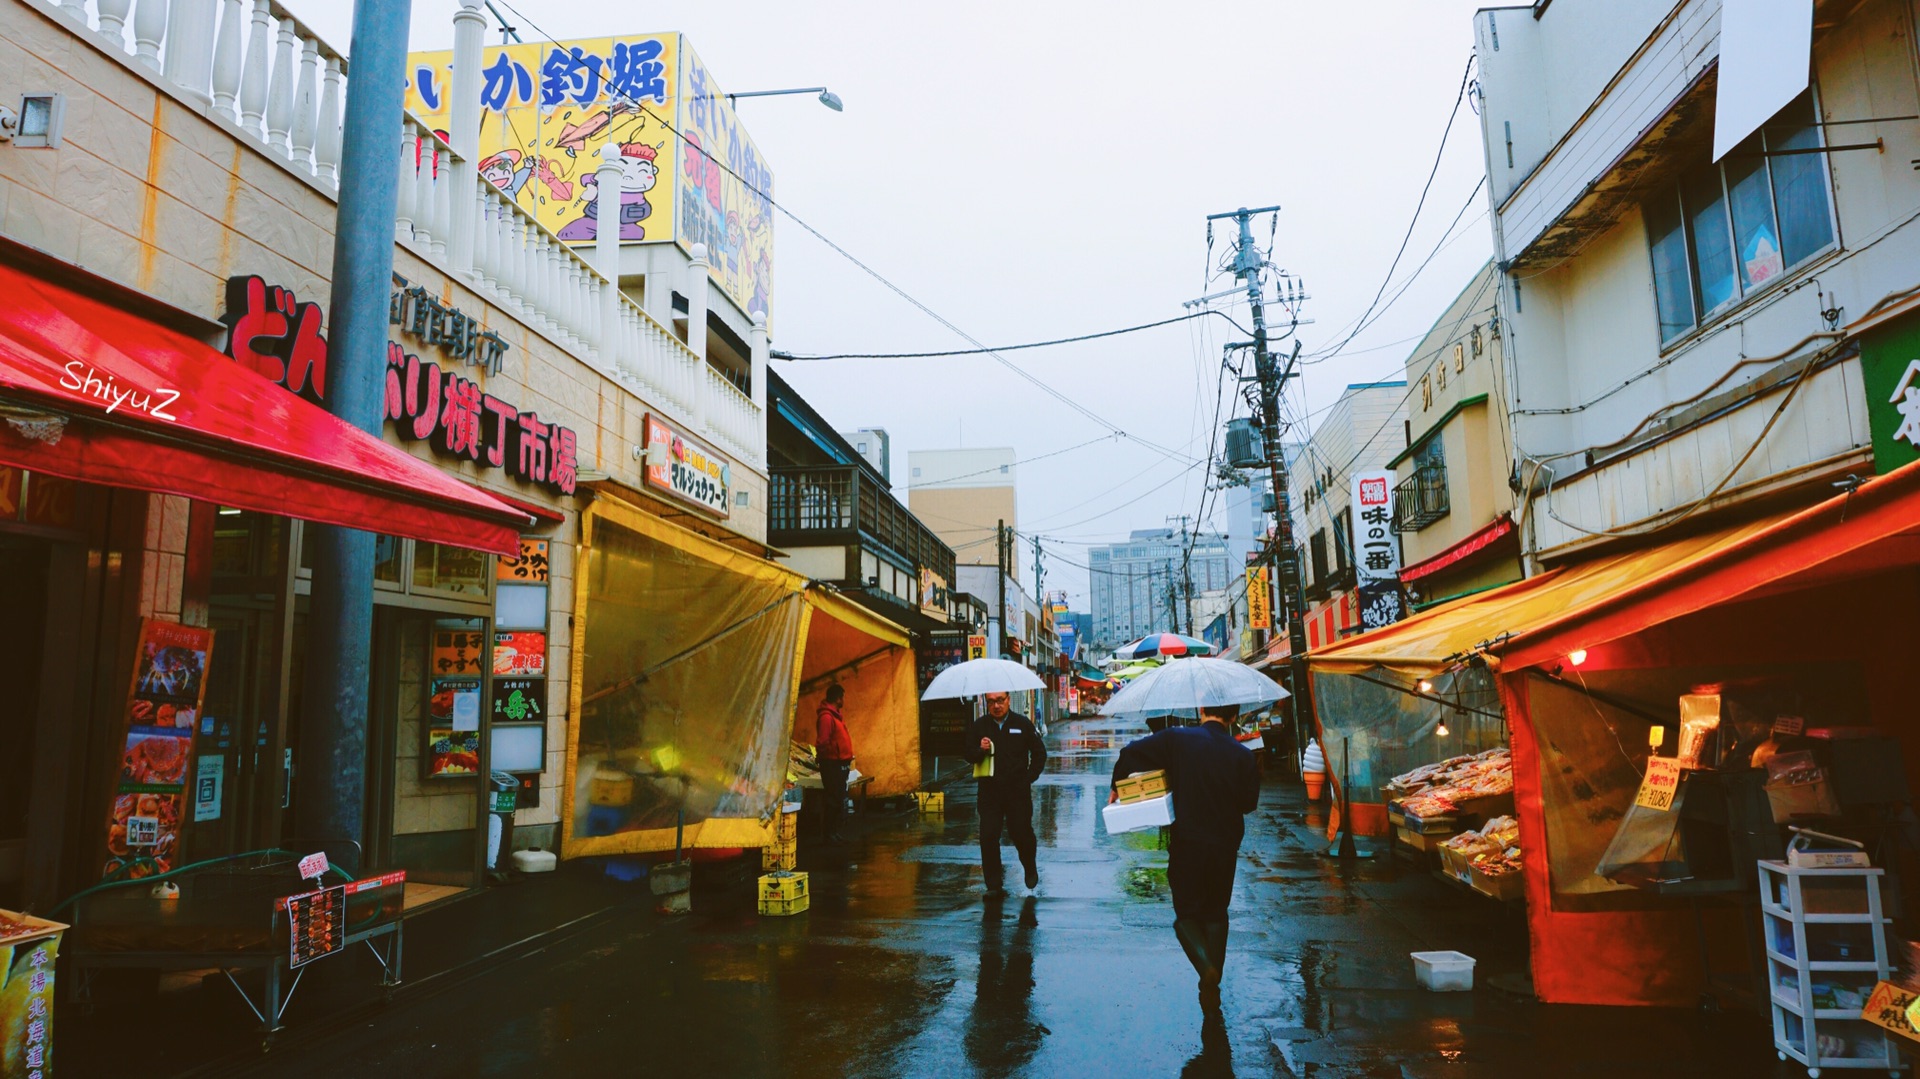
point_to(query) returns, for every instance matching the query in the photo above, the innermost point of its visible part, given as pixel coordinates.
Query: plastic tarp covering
(1592, 758)
(1586, 956)
(1385, 729)
(873, 659)
(685, 671)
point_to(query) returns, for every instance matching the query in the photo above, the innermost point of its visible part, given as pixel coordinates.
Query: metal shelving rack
(1797, 1023)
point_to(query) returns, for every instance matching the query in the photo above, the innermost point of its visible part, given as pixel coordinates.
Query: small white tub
(534, 861)
(1443, 972)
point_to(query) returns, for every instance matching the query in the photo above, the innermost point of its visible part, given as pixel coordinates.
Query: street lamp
(827, 97)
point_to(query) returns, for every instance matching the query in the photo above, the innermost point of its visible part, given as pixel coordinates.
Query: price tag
(1663, 779)
(1790, 725)
(313, 866)
(1891, 1007)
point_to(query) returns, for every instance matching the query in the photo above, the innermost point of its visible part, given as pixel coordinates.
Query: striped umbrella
(1164, 644)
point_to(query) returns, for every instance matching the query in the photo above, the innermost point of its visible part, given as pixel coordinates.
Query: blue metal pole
(330, 761)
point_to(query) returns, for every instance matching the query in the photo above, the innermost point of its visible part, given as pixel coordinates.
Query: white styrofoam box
(535, 861)
(1443, 972)
(1133, 816)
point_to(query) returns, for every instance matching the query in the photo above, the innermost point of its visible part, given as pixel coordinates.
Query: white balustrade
(149, 28)
(306, 106)
(280, 91)
(253, 77)
(326, 152)
(113, 22)
(227, 61)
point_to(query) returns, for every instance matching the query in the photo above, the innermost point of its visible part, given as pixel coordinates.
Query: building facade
(1362, 431)
(1453, 504)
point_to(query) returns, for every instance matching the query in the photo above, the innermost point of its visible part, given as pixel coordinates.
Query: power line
(794, 357)
(1438, 155)
(1056, 394)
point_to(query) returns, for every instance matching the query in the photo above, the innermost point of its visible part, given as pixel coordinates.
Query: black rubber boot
(1216, 934)
(1193, 940)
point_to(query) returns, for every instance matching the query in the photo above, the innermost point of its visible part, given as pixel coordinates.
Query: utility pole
(1038, 554)
(331, 757)
(1000, 562)
(1248, 264)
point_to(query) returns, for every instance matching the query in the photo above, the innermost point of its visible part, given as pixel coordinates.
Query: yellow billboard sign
(689, 172)
(1259, 599)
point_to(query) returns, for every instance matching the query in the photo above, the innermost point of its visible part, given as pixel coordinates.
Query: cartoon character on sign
(638, 174)
(506, 171)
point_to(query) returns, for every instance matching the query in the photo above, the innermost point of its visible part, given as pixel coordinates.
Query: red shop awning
(151, 409)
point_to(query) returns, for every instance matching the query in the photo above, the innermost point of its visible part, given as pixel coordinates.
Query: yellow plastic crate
(780, 908)
(782, 886)
(786, 827)
(930, 801)
(774, 859)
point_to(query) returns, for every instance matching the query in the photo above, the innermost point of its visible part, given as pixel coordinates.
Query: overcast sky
(1044, 169)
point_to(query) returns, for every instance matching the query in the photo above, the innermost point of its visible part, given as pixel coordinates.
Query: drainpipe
(331, 758)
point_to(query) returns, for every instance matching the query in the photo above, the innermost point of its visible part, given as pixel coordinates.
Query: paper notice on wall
(209, 778)
(1766, 52)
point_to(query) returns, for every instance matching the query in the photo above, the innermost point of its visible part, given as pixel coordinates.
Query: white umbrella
(979, 676)
(1187, 684)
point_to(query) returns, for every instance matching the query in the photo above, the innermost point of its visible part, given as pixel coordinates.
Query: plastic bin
(1443, 972)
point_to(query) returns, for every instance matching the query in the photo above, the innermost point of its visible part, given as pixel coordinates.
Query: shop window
(1726, 230)
(1343, 540)
(246, 544)
(456, 674)
(387, 554)
(440, 568)
(1318, 545)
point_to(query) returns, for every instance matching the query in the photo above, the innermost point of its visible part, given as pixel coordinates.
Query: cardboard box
(782, 885)
(1135, 816)
(1504, 887)
(1454, 864)
(1420, 841)
(1141, 785)
(1791, 800)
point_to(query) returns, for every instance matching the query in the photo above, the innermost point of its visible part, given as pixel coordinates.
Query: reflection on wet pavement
(902, 968)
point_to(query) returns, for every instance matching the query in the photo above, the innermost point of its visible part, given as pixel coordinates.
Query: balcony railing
(1421, 499)
(254, 64)
(840, 505)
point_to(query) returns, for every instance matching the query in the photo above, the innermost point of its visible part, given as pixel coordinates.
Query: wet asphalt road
(901, 968)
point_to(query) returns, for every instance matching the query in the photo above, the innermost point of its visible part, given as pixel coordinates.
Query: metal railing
(1421, 499)
(255, 64)
(838, 504)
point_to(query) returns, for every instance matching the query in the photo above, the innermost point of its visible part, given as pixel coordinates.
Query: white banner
(1766, 51)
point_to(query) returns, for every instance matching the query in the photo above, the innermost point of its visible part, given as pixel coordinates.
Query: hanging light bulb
(1441, 730)
(1577, 656)
(1426, 686)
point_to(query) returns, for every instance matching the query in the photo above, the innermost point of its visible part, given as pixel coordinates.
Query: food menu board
(529, 567)
(163, 706)
(520, 653)
(453, 728)
(316, 924)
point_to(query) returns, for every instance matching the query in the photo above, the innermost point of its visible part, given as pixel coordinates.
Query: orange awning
(1613, 596)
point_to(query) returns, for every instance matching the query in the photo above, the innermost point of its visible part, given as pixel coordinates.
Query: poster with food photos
(453, 728)
(163, 708)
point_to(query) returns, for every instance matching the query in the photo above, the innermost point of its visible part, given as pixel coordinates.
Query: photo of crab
(155, 758)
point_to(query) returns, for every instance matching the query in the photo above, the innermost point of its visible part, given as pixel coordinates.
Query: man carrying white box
(1214, 783)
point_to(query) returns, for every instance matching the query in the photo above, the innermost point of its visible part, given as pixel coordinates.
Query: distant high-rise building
(873, 444)
(1138, 585)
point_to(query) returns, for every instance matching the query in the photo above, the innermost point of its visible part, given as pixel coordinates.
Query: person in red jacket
(833, 746)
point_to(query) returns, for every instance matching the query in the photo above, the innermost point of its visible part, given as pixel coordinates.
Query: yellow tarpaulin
(873, 659)
(1432, 640)
(686, 662)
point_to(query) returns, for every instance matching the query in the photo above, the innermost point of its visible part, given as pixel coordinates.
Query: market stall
(871, 658)
(1639, 834)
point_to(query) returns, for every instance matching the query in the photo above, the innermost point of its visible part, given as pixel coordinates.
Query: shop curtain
(871, 658)
(685, 681)
(1385, 729)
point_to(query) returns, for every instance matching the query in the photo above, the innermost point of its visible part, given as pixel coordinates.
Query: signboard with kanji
(528, 567)
(1259, 599)
(316, 924)
(1890, 374)
(1376, 550)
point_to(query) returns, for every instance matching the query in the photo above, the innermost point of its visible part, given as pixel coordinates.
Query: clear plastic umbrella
(978, 676)
(1194, 683)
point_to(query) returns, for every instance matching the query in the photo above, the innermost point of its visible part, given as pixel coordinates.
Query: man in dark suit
(1012, 744)
(1214, 782)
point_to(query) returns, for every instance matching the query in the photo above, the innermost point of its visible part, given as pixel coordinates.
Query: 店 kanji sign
(687, 470)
